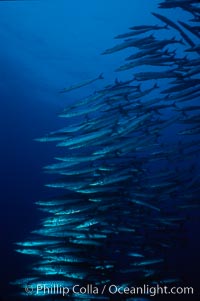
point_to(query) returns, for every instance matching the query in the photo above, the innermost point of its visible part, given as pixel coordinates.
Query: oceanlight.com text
(112, 289)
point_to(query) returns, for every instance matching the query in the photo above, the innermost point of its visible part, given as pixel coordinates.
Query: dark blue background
(45, 46)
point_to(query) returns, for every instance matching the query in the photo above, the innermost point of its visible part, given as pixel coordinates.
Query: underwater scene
(100, 150)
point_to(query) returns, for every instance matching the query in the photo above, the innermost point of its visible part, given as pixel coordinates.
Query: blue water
(45, 46)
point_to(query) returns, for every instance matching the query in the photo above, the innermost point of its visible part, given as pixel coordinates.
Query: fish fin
(117, 82)
(174, 105)
(166, 52)
(181, 42)
(179, 75)
(156, 86)
(139, 87)
(122, 111)
(184, 113)
(101, 76)
(126, 97)
(157, 111)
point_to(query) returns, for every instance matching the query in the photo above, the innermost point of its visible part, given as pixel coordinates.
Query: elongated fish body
(193, 131)
(128, 43)
(85, 83)
(85, 138)
(83, 112)
(38, 243)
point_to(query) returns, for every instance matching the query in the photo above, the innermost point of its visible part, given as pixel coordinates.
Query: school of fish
(129, 167)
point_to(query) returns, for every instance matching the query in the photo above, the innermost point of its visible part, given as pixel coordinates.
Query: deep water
(45, 46)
